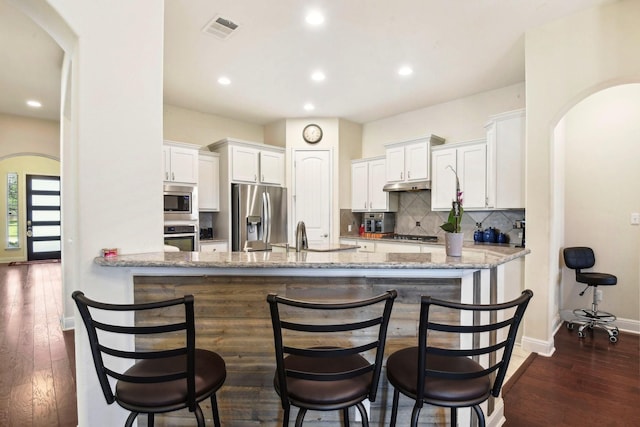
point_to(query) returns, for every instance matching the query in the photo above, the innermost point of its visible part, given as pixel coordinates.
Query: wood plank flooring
(37, 362)
(588, 382)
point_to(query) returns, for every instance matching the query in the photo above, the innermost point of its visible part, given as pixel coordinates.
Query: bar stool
(333, 374)
(160, 380)
(446, 375)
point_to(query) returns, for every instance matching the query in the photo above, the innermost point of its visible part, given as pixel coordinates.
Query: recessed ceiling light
(224, 81)
(405, 71)
(314, 18)
(309, 107)
(34, 104)
(318, 76)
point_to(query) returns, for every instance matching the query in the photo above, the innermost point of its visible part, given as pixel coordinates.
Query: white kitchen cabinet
(432, 249)
(214, 246)
(180, 162)
(367, 181)
(257, 165)
(208, 182)
(410, 161)
(469, 160)
(365, 245)
(389, 247)
(506, 160)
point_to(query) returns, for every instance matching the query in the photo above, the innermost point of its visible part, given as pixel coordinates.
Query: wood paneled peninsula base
(232, 315)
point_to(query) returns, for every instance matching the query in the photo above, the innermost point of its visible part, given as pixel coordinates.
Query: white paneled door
(312, 194)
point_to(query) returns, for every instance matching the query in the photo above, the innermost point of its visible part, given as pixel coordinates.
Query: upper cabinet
(367, 181)
(180, 162)
(209, 182)
(409, 161)
(506, 160)
(469, 161)
(252, 163)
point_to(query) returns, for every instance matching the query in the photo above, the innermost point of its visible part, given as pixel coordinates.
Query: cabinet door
(209, 183)
(378, 199)
(509, 162)
(272, 167)
(395, 164)
(184, 165)
(403, 248)
(443, 183)
(416, 161)
(472, 172)
(359, 186)
(244, 164)
(213, 247)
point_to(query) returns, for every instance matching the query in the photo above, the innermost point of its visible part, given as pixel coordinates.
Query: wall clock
(312, 133)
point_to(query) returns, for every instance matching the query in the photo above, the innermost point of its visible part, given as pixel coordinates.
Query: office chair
(443, 374)
(333, 374)
(578, 258)
(159, 380)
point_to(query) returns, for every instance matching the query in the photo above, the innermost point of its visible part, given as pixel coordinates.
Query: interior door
(43, 217)
(312, 194)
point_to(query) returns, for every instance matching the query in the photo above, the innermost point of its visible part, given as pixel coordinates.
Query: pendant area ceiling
(454, 48)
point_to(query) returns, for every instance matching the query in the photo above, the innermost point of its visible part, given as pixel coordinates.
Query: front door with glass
(43, 217)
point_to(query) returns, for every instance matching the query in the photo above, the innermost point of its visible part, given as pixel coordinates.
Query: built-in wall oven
(182, 236)
(180, 203)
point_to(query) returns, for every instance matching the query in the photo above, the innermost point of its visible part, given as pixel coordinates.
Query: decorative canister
(489, 235)
(478, 236)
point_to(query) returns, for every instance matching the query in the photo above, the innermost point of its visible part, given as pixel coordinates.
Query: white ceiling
(456, 48)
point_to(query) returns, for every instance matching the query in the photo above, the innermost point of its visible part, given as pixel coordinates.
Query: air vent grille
(220, 27)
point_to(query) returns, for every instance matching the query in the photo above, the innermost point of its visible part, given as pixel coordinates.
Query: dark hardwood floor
(587, 382)
(37, 361)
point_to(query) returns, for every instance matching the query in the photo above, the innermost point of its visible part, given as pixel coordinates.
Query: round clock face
(312, 133)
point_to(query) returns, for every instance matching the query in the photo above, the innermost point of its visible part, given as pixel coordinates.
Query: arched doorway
(596, 155)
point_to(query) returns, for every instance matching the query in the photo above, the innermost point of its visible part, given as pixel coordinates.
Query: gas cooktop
(418, 237)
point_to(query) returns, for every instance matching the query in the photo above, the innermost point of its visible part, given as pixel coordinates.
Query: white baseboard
(67, 323)
(543, 348)
(628, 325)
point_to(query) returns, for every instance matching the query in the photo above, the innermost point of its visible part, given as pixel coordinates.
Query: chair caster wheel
(615, 332)
(581, 334)
(570, 326)
(613, 338)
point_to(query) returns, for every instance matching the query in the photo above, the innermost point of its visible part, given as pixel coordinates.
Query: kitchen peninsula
(232, 315)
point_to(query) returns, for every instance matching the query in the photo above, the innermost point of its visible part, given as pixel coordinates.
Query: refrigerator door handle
(269, 217)
(266, 217)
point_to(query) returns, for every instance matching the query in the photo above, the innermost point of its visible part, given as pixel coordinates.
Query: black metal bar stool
(320, 353)
(160, 380)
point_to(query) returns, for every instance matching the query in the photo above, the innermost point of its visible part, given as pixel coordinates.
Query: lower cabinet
(217, 246)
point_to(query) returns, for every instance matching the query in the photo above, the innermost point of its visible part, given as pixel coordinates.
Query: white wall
(350, 149)
(566, 61)
(184, 125)
(602, 143)
(458, 120)
(114, 120)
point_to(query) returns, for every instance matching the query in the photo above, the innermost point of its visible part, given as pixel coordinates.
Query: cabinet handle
(255, 178)
(365, 205)
(370, 205)
(173, 176)
(166, 176)
(408, 174)
(401, 176)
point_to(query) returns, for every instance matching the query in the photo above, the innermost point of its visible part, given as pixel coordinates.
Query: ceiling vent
(220, 27)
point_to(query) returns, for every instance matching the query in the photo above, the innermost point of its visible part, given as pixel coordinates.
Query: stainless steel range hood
(407, 186)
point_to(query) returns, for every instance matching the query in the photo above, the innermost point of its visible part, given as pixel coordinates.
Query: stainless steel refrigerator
(258, 217)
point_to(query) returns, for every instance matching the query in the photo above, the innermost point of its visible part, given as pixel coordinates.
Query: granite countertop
(439, 242)
(472, 258)
(319, 248)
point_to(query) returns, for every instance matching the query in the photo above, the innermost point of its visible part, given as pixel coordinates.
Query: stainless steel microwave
(180, 203)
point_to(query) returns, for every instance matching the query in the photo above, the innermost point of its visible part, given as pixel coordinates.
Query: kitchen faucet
(301, 237)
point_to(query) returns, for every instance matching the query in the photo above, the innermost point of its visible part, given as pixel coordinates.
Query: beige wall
(458, 120)
(26, 135)
(350, 149)
(566, 61)
(602, 154)
(193, 127)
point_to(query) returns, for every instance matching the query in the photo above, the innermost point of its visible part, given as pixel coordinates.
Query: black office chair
(333, 374)
(578, 258)
(160, 380)
(439, 372)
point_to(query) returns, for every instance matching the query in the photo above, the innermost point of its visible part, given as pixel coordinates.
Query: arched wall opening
(594, 191)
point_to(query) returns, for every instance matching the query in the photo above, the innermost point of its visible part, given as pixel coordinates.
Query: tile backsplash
(415, 208)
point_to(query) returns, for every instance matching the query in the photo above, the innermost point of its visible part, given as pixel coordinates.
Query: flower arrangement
(455, 215)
